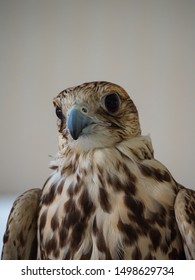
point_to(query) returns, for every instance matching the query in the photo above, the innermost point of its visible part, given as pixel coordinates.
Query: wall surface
(145, 46)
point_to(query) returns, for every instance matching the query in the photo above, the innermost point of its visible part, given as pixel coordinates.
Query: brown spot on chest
(129, 232)
(78, 233)
(94, 227)
(72, 213)
(51, 245)
(131, 177)
(48, 198)
(43, 220)
(127, 185)
(155, 237)
(104, 200)
(159, 216)
(155, 173)
(136, 206)
(86, 204)
(101, 245)
(176, 254)
(63, 233)
(54, 222)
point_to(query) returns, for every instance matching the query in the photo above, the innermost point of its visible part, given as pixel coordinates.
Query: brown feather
(20, 238)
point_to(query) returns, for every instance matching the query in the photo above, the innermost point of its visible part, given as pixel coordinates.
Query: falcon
(107, 196)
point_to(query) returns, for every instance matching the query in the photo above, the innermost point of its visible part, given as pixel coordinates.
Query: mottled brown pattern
(107, 198)
(21, 234)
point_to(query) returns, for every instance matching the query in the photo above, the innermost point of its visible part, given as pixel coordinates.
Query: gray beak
(78, 122)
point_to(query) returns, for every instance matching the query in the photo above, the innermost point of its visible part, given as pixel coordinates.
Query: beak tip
(74, 132)
(74, 136)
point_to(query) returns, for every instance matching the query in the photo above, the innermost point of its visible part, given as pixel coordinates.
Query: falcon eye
(112, 102)
(59, 113)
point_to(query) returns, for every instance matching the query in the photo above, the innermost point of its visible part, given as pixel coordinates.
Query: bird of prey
(107, 196)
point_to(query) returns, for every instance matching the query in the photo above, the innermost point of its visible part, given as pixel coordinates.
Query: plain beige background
(146, 46)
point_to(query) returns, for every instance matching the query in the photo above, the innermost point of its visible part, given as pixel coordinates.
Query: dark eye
(112, 102)
(59, 113)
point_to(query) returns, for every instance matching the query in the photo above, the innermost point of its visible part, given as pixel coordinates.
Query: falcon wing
(20, 238)
(185, 216)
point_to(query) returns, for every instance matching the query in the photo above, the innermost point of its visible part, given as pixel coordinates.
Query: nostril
(84, 110)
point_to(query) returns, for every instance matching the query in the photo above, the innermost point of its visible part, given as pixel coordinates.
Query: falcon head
(95, 115)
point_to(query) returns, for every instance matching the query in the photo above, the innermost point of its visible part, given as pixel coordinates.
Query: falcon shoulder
(185, 217)
(20, 238)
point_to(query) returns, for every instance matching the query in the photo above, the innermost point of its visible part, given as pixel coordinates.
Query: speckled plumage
(107, 198)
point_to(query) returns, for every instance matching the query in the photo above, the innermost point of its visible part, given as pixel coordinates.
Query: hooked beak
(78, 122)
